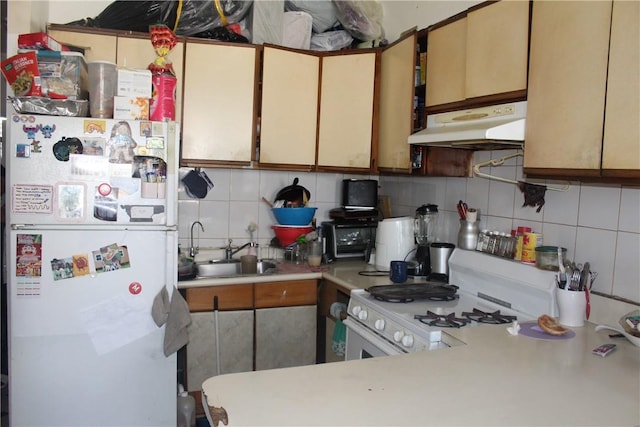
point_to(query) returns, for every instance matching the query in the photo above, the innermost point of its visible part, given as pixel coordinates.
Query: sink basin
(265, 267)
(230, 268)
(218, 268)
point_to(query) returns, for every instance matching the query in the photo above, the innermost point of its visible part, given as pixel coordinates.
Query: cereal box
(21, 71)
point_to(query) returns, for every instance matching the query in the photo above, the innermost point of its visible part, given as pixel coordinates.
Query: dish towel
(175, 314)
(339, 343)
(160, 307)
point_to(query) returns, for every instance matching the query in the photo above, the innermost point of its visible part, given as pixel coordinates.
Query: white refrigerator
(91, 240)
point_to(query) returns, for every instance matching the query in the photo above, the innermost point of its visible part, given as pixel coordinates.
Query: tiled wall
(596, 223)
(236, 201)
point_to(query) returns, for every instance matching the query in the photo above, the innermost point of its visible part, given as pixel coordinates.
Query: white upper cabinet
(220, 103)
(289, 115)
(583, 69)
(346, 110)
(395, 122)
(480, 56)
(621, 147)
(497, 54)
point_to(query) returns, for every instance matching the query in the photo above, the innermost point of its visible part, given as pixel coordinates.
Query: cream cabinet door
(567, 86)
(286, 337)
(346, 110)
(137, 52)
(219, 103)
(446, 63)
(497, 49)
(235, 339)
(397, 79)
(98, 47)
(621, 148)
(288, 121)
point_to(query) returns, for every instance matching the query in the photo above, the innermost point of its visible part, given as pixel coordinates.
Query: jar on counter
(529, 244)
(519, 241)
(483, 236)
(468, 235)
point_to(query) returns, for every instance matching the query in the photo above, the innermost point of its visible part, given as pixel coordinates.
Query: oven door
(364, 344)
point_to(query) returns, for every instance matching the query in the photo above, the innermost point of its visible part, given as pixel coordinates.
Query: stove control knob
(356, 309)
(362, 315)
(397, 336)
(407, 341)
(379, 324)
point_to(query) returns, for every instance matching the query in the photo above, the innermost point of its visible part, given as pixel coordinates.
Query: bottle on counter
(519, 241)
(483, 240)
(468, 235)
(186, 408)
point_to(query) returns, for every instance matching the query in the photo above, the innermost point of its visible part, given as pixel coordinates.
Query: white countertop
(345, 273)
(495, 379)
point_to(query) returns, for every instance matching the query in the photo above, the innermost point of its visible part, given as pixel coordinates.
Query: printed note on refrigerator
(116, 322)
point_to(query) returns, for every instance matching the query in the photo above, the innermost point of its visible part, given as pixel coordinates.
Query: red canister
(163, 98)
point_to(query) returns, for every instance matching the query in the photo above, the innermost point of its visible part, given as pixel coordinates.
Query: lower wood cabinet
(286, 323)
(285, 337)
(234, 326)
(235, 349)
(259, 326)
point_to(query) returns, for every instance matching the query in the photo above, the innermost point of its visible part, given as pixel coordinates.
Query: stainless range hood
(484, 128)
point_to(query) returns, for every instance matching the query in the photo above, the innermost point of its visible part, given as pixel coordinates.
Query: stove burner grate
(406, 299)
(394, 299)
(494, 318)
(410, 292)
(442, 320)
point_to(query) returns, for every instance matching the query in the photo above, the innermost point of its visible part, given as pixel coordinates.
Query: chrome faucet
(229, 252)
(193, 250)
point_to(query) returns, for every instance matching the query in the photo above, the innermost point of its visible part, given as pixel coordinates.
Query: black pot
(293, 195)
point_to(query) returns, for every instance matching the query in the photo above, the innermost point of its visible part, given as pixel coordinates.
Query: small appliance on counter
(439, 254)
(351, 233)
(348, 239)
(425, 222)
(359, 201)
(394, 241)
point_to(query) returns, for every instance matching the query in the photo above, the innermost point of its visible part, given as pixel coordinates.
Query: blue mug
(398, 271)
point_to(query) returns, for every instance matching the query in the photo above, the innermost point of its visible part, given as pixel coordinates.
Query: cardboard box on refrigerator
(130, 108)
(133, 83)
(40, 41)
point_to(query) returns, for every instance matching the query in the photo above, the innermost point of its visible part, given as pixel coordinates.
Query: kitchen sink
(230, 268)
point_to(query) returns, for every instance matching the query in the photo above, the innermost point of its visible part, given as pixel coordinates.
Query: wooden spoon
(264, 199)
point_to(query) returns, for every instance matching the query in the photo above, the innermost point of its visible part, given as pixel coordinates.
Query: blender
(424, 226)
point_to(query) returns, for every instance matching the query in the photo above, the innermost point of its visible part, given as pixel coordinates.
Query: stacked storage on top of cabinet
(126, 49)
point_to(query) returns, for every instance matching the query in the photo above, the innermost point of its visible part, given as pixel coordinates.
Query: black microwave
(348, 239)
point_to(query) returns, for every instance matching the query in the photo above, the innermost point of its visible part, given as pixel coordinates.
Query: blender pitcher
(425, 223)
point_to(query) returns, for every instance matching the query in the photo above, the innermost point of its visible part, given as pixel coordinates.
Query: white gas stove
(490, 290)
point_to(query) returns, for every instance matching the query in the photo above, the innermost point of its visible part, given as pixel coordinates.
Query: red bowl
(287, 234)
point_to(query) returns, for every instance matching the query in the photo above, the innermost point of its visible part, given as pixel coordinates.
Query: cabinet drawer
(283, 294)
(231, 297)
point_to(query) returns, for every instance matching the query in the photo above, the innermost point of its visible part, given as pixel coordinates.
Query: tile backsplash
(235, 201)
(596, 222)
